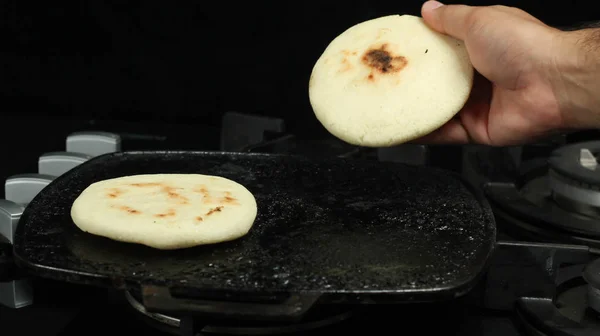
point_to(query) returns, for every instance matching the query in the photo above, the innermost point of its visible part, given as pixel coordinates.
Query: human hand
(516, 98)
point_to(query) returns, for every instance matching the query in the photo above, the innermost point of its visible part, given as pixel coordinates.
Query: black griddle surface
(334, 226)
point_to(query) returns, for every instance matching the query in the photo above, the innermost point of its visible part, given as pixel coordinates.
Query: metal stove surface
(529, 288)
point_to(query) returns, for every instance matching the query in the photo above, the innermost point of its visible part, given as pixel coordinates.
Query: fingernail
(431, 5)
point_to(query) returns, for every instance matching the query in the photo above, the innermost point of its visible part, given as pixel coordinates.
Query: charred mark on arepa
(202, 190)
(169, 213)
(346, 62)
(169, 191)
(174, 195)
(129, 210)
(346, 65)
(229, 199)
(381, 60)
(213, 210)
(207, 198)
(145, 184)
(114, 192)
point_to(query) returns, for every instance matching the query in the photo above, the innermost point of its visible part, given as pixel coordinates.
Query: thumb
(447, 19)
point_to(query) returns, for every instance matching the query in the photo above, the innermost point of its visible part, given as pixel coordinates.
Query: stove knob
(93, 143)
(10, 213)
(15, 293)
(22, 188)
(58, 163)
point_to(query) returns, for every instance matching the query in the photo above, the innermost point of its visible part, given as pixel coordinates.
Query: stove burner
(554, 200)
(575, 179)
(592, 277)
(567, 313)
(173, 325)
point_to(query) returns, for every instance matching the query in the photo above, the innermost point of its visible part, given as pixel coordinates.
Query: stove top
(543, 278)
(555, 199)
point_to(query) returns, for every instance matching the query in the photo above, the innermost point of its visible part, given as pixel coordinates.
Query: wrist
(576, 78)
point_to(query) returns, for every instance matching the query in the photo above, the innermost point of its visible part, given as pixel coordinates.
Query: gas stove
(543, 278)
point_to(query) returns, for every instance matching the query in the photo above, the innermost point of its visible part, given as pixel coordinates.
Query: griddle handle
(159, 299)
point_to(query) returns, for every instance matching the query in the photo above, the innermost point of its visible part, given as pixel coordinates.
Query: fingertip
(430, 5)
(427, 12)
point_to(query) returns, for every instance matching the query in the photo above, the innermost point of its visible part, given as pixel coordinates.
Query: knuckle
(477, 19)
(500, 7)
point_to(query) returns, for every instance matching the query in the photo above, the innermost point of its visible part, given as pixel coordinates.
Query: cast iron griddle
(339, 227)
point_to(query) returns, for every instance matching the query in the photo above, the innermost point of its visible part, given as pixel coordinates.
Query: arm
(577, 77)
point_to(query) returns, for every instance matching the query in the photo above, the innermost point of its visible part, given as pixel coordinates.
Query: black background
(185, 61)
